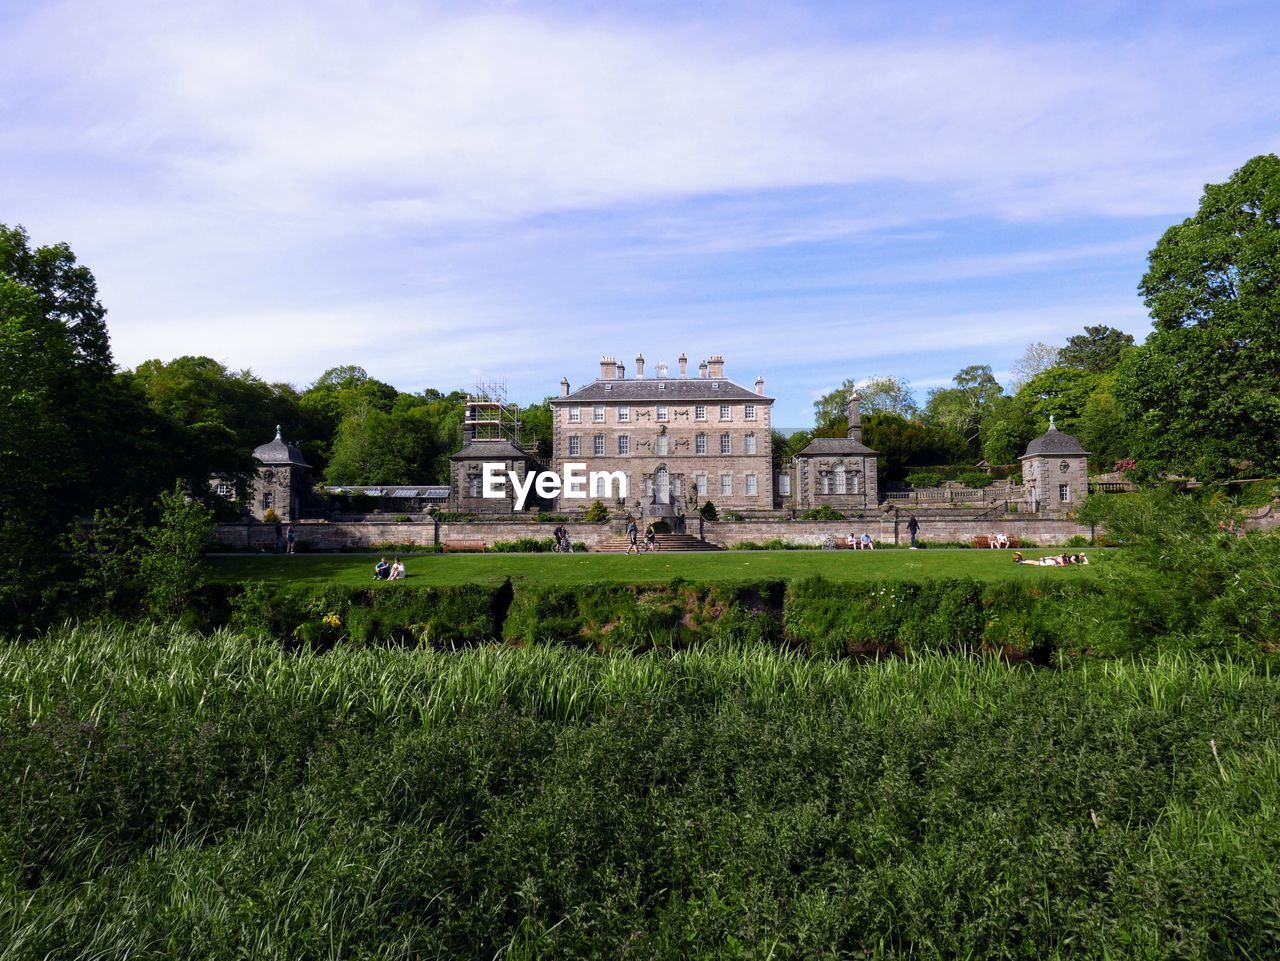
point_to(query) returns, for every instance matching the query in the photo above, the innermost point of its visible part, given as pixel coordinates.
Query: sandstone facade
(679, 441)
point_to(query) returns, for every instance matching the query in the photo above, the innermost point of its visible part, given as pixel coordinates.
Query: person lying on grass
(1053, 560)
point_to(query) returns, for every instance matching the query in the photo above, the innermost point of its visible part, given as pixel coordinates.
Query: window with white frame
(699, 411)
(662, 412)
(598, 487)
(700, 444)
(840, 479)
(726, 413)
(824, 483)
(575, 445)
(700, 484)
(749, 444)
(473, 485)
(266, 500)
(726, 485)
(624, 444)
(662, 445)
(575, 415)
(1064, 492)
(226, 489)
(749, 412)
(784, 484)
(597, 445)
(752, 485)
(624, 414)
(597, 413)
(855, 482)
(726, 443)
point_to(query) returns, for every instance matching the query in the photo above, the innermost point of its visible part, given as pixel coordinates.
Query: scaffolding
(489, 415)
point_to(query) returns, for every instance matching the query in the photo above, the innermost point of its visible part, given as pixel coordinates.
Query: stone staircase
(666, 542)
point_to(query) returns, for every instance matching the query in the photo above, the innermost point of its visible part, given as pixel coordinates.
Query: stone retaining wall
(885, 528)
(314, 535)
(888, 529)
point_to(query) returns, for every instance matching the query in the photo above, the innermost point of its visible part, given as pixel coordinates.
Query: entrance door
(662, 486)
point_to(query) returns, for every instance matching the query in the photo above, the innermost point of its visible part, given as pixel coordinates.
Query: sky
(448, 193)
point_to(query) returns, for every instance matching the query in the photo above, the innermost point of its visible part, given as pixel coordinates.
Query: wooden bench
(984, 541)
(459, 547)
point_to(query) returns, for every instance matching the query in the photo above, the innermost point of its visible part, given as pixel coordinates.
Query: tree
(963, 408)
(170, 559)
(1202, 395)
(876, 395)
(1035, 359)
(66, 295)
(1098, 350)
(1059, 392)
(904, 443)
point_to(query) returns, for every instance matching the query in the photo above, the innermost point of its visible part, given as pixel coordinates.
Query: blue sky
(455, 191)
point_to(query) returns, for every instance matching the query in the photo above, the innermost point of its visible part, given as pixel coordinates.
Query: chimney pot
(759, 385)
(639, 366)
(684, 364)
(702, 370)
(564, 386)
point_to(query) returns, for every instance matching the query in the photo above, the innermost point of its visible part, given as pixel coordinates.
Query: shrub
(976, 479)
(824, 513)
(1075, 540)
(922, 479)
(732, 516)
(525, 545)
(270, 516)
(597, 513)
(709, 512)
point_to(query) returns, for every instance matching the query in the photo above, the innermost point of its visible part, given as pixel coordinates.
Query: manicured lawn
(436, 569)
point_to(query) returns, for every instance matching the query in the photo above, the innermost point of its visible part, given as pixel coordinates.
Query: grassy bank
(455, 569)
(171, 795)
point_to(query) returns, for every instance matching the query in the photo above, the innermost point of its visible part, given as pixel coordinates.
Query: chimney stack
(639, 366)
(715, 366)
(854, 410)
(684, 365)
(702, 370)
(564, 386)
(622, 372)
(608, 368)
(759, 385)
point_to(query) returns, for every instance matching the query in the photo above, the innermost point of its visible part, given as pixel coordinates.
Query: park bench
(458, 547)
(988, 541)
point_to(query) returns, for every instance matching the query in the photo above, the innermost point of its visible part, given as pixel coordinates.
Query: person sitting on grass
(381, 570)
(397, 571)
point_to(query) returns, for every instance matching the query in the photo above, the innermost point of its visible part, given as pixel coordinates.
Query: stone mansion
(680, 440)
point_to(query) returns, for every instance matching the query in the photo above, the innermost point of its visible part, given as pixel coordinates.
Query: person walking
(913, 528)
(290, 537)
(279, 538)
(633, 533)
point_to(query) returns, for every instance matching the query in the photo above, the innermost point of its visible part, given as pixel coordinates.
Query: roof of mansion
(672, 389)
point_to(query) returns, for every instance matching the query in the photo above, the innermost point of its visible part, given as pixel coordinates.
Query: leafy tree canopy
(1097, 350)
(66, 293)
(1202, 395)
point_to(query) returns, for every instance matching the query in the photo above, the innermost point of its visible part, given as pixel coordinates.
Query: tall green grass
(167, 794)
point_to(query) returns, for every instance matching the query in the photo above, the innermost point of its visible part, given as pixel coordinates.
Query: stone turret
(1055, 472)
(853, 409)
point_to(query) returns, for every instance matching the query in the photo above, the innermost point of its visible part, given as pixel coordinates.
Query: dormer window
(608, 386)
(662, 386)
(715, 385)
